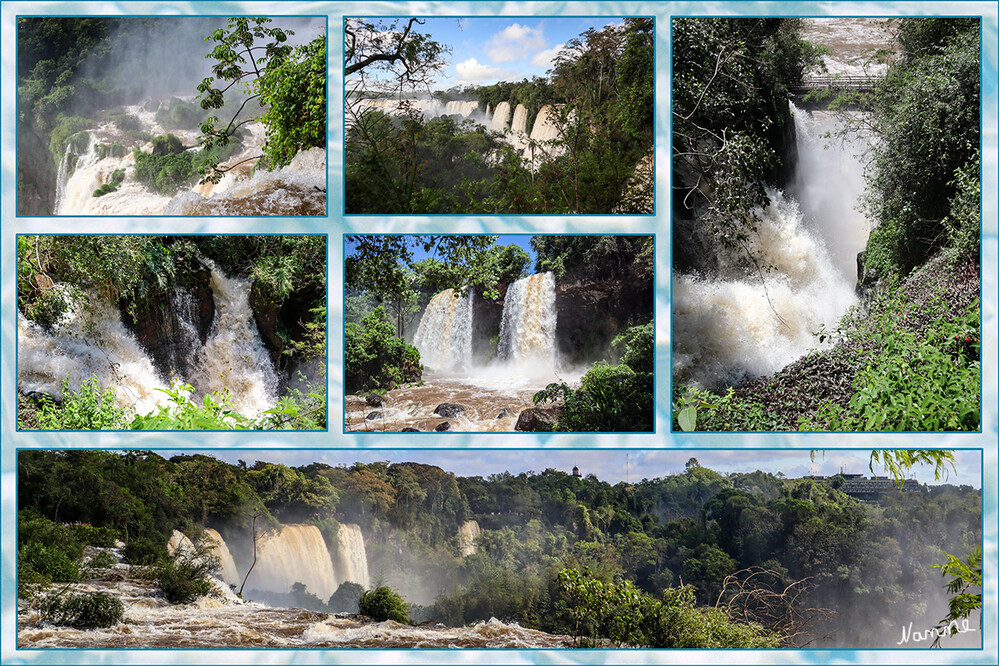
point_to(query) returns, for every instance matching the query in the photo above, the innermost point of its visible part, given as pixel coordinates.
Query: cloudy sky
(487, 50)
(608, 465)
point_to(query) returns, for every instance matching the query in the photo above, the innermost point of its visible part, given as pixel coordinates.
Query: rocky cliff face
(591, 314)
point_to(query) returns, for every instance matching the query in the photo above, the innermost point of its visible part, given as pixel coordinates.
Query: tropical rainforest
(907, 355)
(597, 103)
(171, 332)
(691, 559)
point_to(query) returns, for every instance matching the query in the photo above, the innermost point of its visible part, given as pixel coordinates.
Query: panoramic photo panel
(206, 332)
(826, 224)
(171, 115)
(521, 115)
(328, 549)
(450, 333)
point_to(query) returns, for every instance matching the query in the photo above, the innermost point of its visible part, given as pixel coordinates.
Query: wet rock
(449, 410)
(503, 413)
(410, 429)
(40, 397)
(537, 419)
(374, 400)
(373, 415)
(443, 427)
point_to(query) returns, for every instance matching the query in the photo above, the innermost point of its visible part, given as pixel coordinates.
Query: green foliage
(919, 381)
(375, 357)
(609, 399)
(966, 576)
(188, 575)
(87, 408)
(346, 598)
(639, 347)
(383, 603)
(47, 563)
(628, 617)
(144, 552)
(925, 114)
(294, 91)
(181, 413)
(178, 114)
(117, 176)
(964, 218)
(90, 610)
(165, 171)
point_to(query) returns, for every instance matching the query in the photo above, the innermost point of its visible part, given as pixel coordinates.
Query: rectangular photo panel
(141, 332)
(826, 224)
(171, 115)
(481, 333)
(475, 549)
(513, 115)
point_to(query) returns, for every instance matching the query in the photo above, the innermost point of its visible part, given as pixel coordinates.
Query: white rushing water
(444, 336)
(727, 330)
(467, 534)
(352, 559)
(91, 340)
(298, 188)
(527, 329)
(293, 554)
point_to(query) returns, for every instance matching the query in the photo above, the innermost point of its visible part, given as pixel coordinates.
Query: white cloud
(544, 59)
(472, 70)
(514, 42)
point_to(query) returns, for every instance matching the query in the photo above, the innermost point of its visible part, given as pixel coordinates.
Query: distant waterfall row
(91, 340)
(527, 327)
(292, 554)
(502, 118)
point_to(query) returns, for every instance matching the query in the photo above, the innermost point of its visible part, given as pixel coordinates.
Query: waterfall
(92, 340)
(501, 117)
(544, 125)
(520, 119)
(293, 554)
(527, 328)
(179, 543)
(88, 341)
(444, 336)
(467, 534)
(728, 329)
(462, 108)
(234, 356)
(351, 560)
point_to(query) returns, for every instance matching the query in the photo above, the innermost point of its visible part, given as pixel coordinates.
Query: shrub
(117, 176)
(143, 551)
(47, 564)
(102, 537)
(611, 398)
(383, 603)
(187, 576)
(346, 598)
(375, 357)
(168, 168)
(90, 610)
(88, 408)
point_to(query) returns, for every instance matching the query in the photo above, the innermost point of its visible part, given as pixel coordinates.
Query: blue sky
(509, 48)
(611, 465)
(523, 240)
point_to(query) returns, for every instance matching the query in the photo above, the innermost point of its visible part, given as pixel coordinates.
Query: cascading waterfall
(91, 340)
(519, 123)
(501, 117)
(544, 125)
(467, 534)
(726, 330)
(527, 329)
(352, 560)
(179, 544)
(444, 336)
(234, 356)
(227, 566)
(293, 554)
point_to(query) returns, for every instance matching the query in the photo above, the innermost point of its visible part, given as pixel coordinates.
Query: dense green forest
(908, 357)
(693, 559)
(600, 88)
(73, 289)
(77, 74)
(387, 289)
